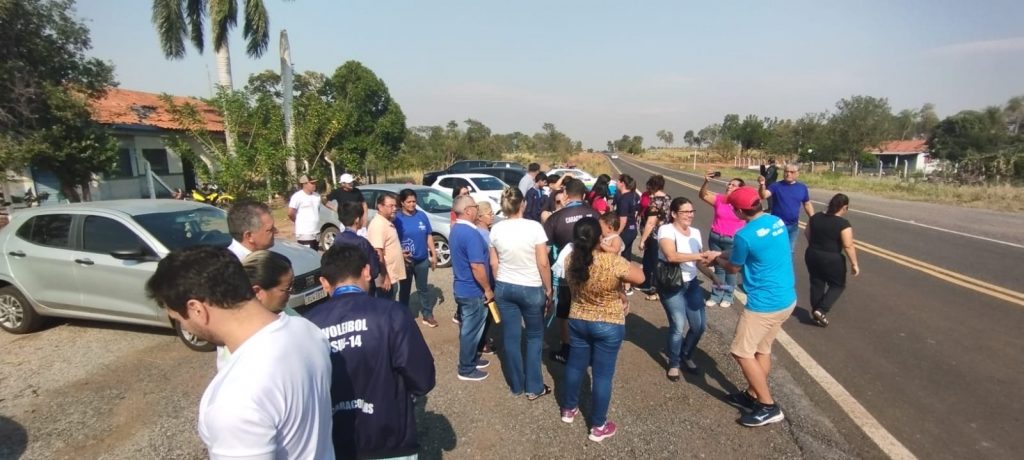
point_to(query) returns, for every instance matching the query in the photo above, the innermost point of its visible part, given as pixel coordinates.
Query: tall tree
(688, 137)
(46, 82)
(860, 122)
(1014, 114)
(666, 136)
(967, 133)
(730, 126)
(927, 119)
(178, 20)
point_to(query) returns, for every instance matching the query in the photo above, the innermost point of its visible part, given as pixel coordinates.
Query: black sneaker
(819, 318)
(763, 415)
(741, 400)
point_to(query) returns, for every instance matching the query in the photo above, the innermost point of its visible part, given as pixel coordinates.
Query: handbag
(668, 275)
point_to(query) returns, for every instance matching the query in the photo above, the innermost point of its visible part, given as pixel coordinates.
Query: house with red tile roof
(910, 154)
(140, 121)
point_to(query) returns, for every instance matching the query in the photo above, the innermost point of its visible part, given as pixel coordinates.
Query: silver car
(435, 204)
(92, 261)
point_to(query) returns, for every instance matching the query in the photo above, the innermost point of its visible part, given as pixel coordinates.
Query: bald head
(464, 205)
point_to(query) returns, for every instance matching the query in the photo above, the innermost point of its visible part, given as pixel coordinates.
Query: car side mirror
(137, 254)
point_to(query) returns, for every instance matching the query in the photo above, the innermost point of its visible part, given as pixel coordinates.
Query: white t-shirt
(307, 214)
(272, 398)
(684, 244)
(515, 241)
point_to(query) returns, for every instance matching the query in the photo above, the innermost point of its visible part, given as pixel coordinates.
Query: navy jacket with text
(380, 362)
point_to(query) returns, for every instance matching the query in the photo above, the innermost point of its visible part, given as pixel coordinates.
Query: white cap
(346, 179)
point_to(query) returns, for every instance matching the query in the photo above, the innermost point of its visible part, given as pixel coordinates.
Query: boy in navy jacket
(380, 361)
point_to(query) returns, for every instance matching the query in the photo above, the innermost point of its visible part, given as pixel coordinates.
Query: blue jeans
(417, 271)
(683, 306)
(717, 242)
(474, 314)
(521, 305)
(793, 230)
(650, 261)
(595, 344)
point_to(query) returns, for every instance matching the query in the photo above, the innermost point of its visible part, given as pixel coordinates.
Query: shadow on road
(13, 438)
(647, 337)
(803, 315)
(434, 431)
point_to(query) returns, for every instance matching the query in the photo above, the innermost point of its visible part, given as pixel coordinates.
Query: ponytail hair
(837, 202)
(265, 268)
(511, 201)
(586, 235)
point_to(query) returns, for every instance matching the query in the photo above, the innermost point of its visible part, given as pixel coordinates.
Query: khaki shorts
(755, 332)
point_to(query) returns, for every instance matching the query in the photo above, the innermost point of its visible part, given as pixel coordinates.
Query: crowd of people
(313, 386)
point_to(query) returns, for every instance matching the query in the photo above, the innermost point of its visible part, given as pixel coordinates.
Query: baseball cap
(744, 198)
(346, 179)
(304, 179)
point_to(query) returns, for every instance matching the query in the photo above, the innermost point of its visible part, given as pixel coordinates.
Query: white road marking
(882, 216)
(860, 416)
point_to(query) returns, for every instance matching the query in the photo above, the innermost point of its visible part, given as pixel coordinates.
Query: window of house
(157, 159)
(124, 164)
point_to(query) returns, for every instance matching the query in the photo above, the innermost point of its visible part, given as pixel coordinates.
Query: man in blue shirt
(472, 289)
(759, 250)
(379, 358)
(786, 198)
(535, 198)
(350, 213)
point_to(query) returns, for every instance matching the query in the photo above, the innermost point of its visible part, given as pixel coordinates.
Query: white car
(615, 156)
(580, 174)
(481, 187)
(92, 261)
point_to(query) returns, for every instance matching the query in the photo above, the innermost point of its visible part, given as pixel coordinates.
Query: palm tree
(178, 20)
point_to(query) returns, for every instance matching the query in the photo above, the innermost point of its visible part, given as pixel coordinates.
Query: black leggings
(827, 271)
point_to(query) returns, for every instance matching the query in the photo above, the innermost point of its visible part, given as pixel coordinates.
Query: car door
(42, 262)
(370, 196)
(112, 286)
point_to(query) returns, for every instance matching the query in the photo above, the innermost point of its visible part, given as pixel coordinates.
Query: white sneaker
(710, 303)
(725, 304)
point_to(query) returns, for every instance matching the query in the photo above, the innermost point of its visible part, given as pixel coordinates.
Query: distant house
(895, 154)
(140, 122)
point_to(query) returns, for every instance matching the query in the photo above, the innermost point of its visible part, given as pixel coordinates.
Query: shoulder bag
(668, 275)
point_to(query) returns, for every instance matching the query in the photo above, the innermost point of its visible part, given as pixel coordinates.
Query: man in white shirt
(272, 398)
(304, 210)
(251, 227)
(526, 183)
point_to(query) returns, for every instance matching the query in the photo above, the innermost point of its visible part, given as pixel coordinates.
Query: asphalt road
(937, 361)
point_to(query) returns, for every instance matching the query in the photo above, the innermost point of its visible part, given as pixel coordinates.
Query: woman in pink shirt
(723, 227)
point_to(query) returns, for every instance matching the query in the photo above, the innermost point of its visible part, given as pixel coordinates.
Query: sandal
(534, 397)
(820, 318)
(651, 297)
(673, 376)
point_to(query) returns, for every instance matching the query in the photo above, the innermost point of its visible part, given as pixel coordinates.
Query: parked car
(437, 205)
(580, 174)
(92, 261)
(507, 175)
(482, 187)
(459, 167)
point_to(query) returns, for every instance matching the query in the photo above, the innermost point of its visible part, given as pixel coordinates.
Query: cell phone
(716, 174)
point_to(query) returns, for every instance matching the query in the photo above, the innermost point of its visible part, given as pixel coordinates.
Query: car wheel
(327, 237)
(443, 251)
(191, 340)
(17, 315)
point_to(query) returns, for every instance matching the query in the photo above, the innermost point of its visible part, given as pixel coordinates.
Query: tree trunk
(286, 103)
(224, 83)
(69, 191)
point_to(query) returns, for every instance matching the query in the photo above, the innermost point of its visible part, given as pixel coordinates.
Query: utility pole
(286, 103)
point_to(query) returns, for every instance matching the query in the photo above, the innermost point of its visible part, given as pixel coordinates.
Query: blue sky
(600, 69)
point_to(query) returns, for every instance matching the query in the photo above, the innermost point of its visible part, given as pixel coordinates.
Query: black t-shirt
(825, 232)
(626, 205)
(342, 196)
(559, 225)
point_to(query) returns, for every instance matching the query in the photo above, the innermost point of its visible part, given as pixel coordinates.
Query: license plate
(314, 296)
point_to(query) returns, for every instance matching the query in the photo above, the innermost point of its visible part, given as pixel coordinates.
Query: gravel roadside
(89, 390)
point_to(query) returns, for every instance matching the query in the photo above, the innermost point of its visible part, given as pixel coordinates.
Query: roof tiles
(127, 107)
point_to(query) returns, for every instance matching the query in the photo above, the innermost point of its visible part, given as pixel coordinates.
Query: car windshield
(488, 184)
(193, 227)
(433, 201)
